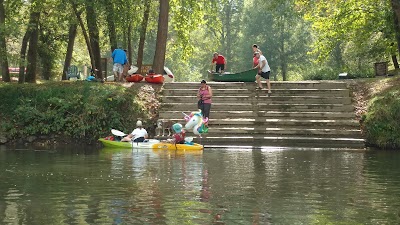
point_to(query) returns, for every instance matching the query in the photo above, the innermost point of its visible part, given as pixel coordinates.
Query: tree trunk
(397, 35)
(143, 30)
(84, 32)
(22, 55)
(282, 49)
(228, 31)
(3, 46)
(162, 34)
(396, 10)
(71, 41)
(94, 38)
(110, 24)
(32, 51)
(130, 42)
(395, 62)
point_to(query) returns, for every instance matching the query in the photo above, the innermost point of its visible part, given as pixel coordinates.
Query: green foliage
(298, 37)
(325, 73)
(82, 110)
(363, 25)
(382, 121)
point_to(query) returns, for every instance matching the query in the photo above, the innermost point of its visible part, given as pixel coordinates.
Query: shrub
(382, 121)
(81, 110)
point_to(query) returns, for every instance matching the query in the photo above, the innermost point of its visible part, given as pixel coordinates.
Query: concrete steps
(251, 92)
(281, 141)
(264, 106)
(265, 99)
(267, 114)
(297, 114)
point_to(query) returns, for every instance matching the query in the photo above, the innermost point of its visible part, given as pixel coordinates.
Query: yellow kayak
(152, 144)
(169, 146)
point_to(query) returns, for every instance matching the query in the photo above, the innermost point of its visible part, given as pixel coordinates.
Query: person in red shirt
(255, 59)
(220, 62)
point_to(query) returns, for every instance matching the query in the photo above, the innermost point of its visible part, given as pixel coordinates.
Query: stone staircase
(308, 114)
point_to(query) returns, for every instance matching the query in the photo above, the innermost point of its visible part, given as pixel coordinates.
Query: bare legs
(258, 79)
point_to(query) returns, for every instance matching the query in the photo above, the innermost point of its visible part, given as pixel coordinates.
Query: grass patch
(378, 108)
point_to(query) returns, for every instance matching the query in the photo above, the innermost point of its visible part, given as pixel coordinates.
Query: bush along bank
(72, 111)
(381, 122)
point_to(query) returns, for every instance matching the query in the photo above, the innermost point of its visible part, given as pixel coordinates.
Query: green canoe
(245, 76)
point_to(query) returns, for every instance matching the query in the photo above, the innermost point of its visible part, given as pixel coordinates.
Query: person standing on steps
(264, 71)
(204, 104)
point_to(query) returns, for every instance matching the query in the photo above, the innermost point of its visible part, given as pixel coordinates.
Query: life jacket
(179, 138)
(110, 138)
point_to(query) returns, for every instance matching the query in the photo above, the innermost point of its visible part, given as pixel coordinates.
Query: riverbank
(58, 113)
(377, 107)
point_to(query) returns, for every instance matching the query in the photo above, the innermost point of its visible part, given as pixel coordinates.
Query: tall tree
(110, 17)
(94, 36)
(33, 47)
(70, 48)
(229, 28)
(162, 34)
(143, 29)
(396, 11)
(363, 28)
(84, 32)
(3, 46)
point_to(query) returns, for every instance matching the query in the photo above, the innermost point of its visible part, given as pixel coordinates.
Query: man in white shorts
(119, 60)
(264, 71)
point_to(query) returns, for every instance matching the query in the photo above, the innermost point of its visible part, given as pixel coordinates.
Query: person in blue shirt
(119, 60)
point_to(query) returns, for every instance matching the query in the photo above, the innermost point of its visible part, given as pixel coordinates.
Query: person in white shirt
(138, 135)
(264, 71)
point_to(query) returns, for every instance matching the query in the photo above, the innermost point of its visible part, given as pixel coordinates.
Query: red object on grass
(134, 78)
(155, 79)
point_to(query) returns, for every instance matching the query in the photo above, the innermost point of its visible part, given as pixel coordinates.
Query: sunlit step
(262, 106)
(274, 84)
(264, 114)
(263, 98)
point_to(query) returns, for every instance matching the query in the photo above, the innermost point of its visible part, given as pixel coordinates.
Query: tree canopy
(301, 39)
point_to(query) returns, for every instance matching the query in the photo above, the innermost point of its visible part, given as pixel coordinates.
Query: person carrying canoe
(220, 63)
(264, 71)
(179, 136)
(138, 135)
(255, 59)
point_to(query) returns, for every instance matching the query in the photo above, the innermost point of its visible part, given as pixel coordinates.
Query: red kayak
(155, 79)
(134, 78)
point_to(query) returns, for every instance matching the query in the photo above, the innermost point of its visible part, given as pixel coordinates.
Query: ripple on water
(218, 186)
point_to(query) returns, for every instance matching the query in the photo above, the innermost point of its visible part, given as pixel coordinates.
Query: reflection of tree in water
(205, 188)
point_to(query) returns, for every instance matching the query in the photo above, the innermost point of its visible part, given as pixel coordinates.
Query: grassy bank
(378, 108)
(82, 111)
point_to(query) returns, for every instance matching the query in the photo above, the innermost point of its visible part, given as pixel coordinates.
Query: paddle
(118, 133)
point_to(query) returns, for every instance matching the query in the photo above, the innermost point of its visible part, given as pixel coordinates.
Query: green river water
(217, 186)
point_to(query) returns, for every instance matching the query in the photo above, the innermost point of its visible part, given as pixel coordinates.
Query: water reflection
(110, 186)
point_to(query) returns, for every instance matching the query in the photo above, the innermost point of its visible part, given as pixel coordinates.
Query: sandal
(258, 88)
